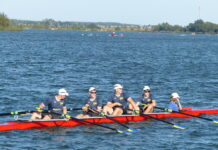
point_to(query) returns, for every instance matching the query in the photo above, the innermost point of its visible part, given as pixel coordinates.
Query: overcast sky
(142, 12)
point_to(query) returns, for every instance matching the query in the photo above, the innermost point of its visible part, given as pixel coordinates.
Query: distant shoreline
(198, 27)
(109, 30)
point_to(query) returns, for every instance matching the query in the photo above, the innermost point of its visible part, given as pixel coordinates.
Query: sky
(140, 12)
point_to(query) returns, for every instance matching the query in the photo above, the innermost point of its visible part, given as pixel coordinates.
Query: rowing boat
(21, 124)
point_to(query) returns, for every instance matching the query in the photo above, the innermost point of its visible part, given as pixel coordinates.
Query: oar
(31, 111)
(71, 109)
(100, 125)
(170, 110)
(17, 113)
(116, 121)
(173, 125)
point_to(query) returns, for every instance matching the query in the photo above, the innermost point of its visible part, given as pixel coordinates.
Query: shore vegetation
(199, 26)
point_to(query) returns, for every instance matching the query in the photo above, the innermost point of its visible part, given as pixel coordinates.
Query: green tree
(4, 21)
(49, 23)
(197, 26)
(92, 26)
(164, 27)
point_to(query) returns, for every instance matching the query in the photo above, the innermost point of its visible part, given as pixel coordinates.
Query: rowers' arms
(65, 110)
(64, 114)
(40, 107)
(179, 104)
(109, 104)
(99, 109)
(153, 103)
(131, 101)
(85, 107)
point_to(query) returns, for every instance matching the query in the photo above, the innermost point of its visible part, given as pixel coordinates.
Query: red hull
(14, 125)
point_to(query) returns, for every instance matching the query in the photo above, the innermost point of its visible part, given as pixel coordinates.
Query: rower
(92, 105)
(55, 104)
(147, 101)
(117, 103)
(175, 103)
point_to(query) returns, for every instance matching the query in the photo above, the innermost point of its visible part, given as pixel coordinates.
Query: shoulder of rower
(151, 97)
(125, 95)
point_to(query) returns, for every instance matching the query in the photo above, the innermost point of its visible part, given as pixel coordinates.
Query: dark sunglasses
(146, 91)
(93, 92)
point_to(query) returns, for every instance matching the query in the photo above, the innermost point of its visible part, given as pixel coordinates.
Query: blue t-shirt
(94, 103)
(55, 105)
(146, 100)
(173, 106)
(122, 99)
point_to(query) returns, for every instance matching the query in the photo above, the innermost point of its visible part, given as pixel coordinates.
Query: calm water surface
(35, 64)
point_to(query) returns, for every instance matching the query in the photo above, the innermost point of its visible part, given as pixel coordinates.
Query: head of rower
(175, 103)
(118, 89)
(146, 91)
(174, 97)
(62, 94)
(92, 92)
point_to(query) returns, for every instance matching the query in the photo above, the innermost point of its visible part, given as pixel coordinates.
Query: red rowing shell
(27, 124)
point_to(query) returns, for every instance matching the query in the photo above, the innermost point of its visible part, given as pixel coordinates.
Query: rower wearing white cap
(92, 105)
(147, 101)
(55, 104)
(118, 102)
(175, 103)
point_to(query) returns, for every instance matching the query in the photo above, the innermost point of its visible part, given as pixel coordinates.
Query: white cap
(146, 88)
(92, 89)
(118, 86)
(175, 95)
(63, 92)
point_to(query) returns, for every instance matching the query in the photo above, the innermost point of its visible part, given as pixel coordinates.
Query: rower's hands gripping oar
(100, 125)
(170, 110)
(114, 120)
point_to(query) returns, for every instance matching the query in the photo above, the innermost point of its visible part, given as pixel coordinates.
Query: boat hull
(28, 124)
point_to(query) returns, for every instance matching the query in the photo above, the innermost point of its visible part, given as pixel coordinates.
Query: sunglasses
(93, 92)
(146, 91)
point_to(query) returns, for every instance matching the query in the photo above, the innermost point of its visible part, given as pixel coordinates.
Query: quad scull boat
(21, 124)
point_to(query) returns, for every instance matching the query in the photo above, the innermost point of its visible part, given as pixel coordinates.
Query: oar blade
(133, 130)
(179, 127)
(126, 132)
(215, 121)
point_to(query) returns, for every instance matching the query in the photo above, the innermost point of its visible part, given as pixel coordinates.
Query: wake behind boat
(21, 124)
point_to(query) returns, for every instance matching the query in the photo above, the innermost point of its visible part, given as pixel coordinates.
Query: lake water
(36, 63)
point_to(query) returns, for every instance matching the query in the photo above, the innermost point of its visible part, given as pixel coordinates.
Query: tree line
(4, 21)
(199, 26)
(5, 24)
